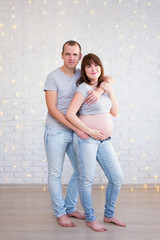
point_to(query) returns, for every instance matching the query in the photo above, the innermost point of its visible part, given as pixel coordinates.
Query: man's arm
(94, 95)
(51, 102)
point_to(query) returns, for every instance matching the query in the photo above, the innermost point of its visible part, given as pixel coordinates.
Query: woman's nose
(93, 67)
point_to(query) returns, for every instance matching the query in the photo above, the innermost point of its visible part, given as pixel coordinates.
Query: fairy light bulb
(144, 154)
(92, 12)
(14, 26)
(145, 187)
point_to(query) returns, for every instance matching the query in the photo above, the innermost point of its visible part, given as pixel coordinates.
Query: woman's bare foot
(114, 220)
(65, 221)
(96, 226)
(77, 214)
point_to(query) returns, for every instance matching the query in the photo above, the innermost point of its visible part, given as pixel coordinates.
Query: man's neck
(68, 71)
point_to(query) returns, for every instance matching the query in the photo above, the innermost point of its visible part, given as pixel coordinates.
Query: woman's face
(93, 71)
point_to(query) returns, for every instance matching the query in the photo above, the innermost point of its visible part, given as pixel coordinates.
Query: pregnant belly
(102, 122)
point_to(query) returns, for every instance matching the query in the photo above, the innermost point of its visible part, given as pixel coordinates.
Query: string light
(144, 154)
(14, 26)
(145, 187)
(4, 101)
(102, 187)
(92, 12)
(56, 62)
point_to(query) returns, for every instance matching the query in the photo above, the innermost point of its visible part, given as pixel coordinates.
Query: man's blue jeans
(87, 153)
(57, 143)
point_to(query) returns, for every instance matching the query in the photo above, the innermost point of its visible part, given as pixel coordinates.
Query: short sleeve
(83, 88)
(50, 83)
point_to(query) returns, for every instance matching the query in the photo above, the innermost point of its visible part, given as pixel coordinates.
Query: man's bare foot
(77, 214)
(65, 221)
(96, 226)
(114, 220)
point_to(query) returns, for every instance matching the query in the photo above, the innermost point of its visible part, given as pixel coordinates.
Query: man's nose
(71, 57)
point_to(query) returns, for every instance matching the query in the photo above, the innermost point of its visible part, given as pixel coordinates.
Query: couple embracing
(80, 104)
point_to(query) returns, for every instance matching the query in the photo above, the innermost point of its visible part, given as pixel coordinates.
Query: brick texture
(125, 35)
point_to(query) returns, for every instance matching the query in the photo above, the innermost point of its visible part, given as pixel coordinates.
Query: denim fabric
(87, 153)
(57, 143)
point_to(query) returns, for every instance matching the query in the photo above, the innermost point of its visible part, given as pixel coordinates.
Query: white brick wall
(125, 34)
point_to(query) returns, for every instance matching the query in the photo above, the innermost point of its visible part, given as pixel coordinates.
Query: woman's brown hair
(86, 61)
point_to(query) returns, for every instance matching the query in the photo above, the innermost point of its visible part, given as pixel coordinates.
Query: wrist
(101, 90)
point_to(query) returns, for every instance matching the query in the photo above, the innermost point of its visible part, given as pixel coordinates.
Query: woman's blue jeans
(87, 153)
(57, 143)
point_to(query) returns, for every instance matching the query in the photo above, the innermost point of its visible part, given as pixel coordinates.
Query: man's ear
(62, 55)
(80, 57)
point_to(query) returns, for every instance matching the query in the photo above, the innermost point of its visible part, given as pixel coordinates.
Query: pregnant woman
(95, 120)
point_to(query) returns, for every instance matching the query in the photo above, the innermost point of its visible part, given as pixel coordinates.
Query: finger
(91, 100)
(95, 101)
(90, 91)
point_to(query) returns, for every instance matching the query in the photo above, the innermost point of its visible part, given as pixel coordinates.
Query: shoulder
(51, 81)
(78, 73)
(83, 88)
(54, 73)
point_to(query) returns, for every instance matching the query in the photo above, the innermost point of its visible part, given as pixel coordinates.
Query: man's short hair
(71, 43)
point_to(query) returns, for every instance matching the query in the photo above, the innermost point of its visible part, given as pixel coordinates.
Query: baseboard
(41, 186)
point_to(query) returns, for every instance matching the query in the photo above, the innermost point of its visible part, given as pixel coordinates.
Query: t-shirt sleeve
(83, 89)
(50, 83)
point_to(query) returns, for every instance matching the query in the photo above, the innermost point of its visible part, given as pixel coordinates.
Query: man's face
(71, 56)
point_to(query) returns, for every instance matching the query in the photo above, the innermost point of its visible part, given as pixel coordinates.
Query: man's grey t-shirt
(66, 88)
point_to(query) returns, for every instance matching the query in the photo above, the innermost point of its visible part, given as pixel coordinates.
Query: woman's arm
(73, 108)
(51, 102)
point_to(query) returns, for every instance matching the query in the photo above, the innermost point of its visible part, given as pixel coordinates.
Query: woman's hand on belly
(96, 134)
(100, 122)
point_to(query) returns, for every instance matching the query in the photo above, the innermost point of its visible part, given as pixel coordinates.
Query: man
(59, 90)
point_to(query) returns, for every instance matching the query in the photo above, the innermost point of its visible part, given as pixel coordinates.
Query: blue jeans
(57, 143)
(87, 153)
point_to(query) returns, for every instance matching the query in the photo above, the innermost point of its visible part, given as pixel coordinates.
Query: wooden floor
(26, 214)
